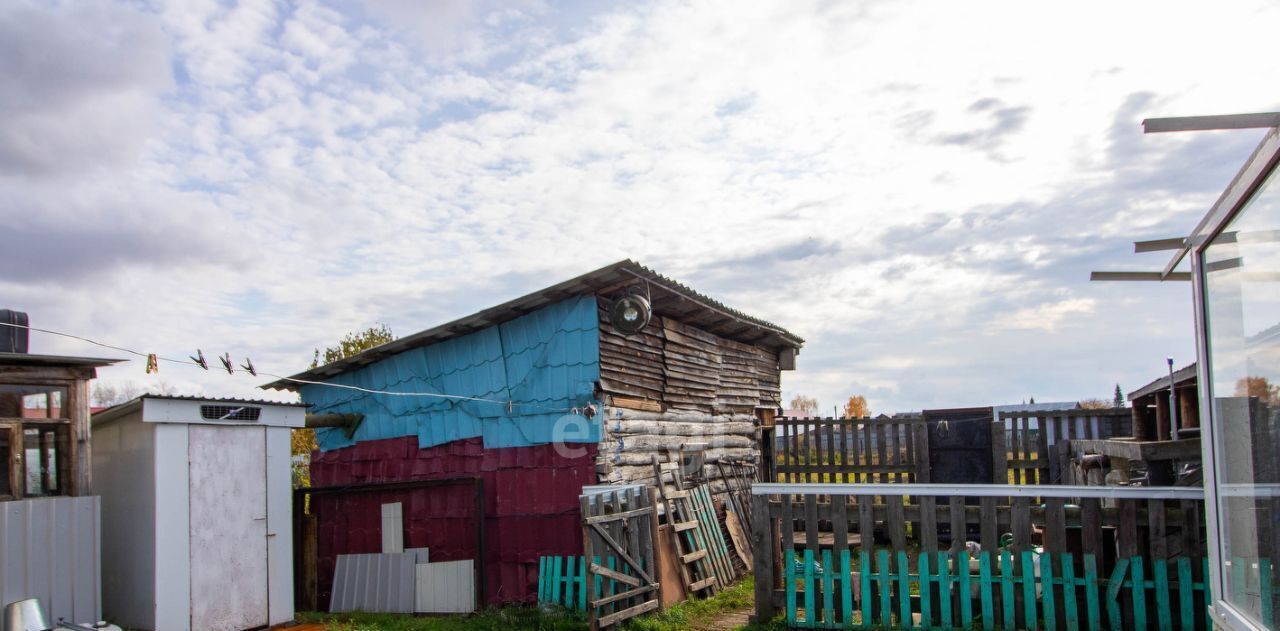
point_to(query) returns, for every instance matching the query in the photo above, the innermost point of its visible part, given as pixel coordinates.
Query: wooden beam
(1159, 245)
(1259, 120)
(1139, 276)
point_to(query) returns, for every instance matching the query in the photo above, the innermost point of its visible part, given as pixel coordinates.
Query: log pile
(632, 438)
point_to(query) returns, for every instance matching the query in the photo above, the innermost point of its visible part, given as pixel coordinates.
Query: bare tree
(106, 393)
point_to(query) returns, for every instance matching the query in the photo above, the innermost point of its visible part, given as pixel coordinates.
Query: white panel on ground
(447, 587)
(392, 528)
(228, 528)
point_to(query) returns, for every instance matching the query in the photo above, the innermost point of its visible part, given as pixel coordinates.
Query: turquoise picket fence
(862, 591)
(562, 580)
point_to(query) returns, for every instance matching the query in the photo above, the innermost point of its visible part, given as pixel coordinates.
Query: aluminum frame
(1256, 169)
(985, 490)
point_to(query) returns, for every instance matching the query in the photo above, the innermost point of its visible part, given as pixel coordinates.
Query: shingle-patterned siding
(544, 362)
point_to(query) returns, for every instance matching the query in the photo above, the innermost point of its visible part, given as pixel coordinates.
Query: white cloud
(914, 187)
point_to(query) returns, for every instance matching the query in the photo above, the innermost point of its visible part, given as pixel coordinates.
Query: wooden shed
(49, 528)
(556, 398)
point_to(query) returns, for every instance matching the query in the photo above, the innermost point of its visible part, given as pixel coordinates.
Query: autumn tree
(808, 405)
(1093, 404)
(1258, 387)
(856, 407)
(303, 441)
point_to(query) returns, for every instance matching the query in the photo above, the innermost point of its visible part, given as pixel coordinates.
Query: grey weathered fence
(1023, 446)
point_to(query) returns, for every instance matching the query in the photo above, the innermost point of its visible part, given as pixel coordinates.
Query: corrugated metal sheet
(374, 582)
(50, 549)
(448, 587)
(543, 361)
(531, 506)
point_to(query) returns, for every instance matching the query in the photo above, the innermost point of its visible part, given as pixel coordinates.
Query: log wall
(634, 437)
(675, 366)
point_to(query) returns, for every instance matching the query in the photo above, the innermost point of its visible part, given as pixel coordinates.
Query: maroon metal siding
(530, 498)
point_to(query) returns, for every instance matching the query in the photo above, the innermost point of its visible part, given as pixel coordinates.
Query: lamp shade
(630, 314)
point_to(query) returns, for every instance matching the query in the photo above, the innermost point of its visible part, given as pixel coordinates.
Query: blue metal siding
(544, 362)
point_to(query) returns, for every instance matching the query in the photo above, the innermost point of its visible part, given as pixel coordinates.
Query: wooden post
(584, 504)
(1162, 416)
(922, 452)
(651, 556)
(81, 437)
(762, 538)
(999, 454)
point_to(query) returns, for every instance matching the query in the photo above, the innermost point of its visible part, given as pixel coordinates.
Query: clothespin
(226, 363)
(510, 406)
(199, 359)
(153, 363)
(248, 365)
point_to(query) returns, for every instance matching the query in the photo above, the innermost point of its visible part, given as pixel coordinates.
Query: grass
(506, 618)
(691, 614)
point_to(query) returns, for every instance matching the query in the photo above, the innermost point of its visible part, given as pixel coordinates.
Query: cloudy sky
(918, 189)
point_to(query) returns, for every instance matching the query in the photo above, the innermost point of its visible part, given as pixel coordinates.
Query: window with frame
(1241, 280)
(35, 440)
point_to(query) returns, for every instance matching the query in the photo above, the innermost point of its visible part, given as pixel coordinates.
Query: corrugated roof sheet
(670, 298)
(544, 362)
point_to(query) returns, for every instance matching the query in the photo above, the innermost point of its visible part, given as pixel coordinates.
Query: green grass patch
(506, 618)
(691, 614)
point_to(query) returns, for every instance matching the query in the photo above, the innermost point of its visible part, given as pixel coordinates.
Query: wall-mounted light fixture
(631, 313)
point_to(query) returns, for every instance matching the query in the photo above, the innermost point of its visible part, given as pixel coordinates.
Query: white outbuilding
(196, 512)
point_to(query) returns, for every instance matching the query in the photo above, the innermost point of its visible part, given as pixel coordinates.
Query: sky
(918, 189)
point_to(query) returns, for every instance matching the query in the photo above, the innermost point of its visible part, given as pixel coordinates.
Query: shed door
(228, 527)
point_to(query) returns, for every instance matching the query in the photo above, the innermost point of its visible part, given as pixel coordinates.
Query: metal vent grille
(230, 412)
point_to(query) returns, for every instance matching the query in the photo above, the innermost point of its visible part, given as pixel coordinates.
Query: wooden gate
(618, 537)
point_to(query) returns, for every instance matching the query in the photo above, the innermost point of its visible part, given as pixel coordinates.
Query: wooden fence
(1023, 447)
(618, 530)
(829, 450)
(1007, 556)
(1024, 442)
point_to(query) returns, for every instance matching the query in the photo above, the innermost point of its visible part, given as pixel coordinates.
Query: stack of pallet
(706, 566)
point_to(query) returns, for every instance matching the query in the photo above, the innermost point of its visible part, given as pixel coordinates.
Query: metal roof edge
(1180, 376)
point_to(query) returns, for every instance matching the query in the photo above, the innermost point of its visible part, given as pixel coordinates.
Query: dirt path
(727, 621)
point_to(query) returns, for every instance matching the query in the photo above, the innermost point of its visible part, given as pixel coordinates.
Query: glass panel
(6, 460)
(21, 401)
(1242, 292)
(44, 462)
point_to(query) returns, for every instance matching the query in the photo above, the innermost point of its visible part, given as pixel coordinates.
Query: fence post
(999, 453)
(922, 452)
(762, 537)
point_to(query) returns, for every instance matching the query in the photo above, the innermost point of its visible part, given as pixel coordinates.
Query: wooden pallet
(696, 568)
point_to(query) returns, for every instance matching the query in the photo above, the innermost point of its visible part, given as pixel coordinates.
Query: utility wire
(434, 395)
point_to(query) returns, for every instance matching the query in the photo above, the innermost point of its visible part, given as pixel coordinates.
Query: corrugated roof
(27, 359)
(670, 298)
